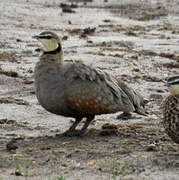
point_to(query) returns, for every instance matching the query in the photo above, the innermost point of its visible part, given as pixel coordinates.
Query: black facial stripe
(45, 37)
(173, 82)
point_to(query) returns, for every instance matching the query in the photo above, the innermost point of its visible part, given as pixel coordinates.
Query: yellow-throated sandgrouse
(77, 90)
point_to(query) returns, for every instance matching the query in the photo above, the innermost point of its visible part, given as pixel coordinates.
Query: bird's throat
(54, 51)
(57, 53)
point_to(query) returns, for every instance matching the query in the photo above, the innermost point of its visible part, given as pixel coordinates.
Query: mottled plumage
(77, 90)
(171, 111)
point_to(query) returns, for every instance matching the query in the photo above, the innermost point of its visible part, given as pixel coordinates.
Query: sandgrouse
(171, 110)
(77, 90)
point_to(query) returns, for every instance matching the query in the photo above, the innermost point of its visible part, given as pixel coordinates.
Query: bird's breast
(50, 89)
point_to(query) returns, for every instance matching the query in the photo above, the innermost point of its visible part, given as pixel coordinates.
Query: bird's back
(94, 92)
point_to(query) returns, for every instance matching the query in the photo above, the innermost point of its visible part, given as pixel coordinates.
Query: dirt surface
(130, 39)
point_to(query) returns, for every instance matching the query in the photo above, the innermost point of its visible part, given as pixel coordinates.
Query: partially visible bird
(171, 110)
(77, 90)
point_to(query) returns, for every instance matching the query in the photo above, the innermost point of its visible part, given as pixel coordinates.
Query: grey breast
(50, 86)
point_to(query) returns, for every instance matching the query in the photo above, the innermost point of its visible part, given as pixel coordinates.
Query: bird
(171, 109)
(77, 90)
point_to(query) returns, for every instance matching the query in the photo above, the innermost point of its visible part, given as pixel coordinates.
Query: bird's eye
(48, 37)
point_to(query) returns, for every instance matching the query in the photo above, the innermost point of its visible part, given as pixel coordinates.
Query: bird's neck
(56, 53)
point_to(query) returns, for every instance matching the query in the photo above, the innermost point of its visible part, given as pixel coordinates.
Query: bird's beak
(167, 84)
(35, 37)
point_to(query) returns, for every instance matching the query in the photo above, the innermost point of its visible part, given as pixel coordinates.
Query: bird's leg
(72, 131)
(88, 120)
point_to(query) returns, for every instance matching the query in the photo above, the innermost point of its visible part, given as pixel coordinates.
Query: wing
(94, 92)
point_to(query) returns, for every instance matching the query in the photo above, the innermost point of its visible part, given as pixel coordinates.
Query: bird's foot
(125, 116)
(69, 133)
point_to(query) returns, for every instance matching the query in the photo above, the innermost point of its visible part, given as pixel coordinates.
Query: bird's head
(173, 85)
(50, 41)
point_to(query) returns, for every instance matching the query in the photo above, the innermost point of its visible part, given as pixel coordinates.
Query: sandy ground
(135, 41)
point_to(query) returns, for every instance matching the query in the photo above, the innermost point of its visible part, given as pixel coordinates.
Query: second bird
(77, 90)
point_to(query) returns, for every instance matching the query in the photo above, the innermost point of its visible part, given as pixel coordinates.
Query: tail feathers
(135, 98)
